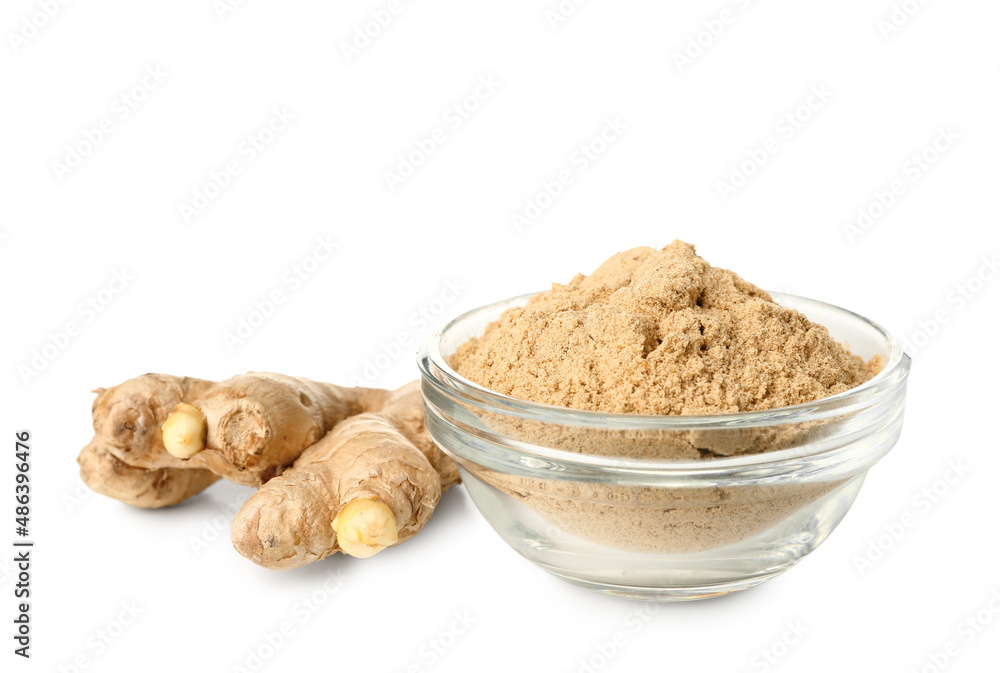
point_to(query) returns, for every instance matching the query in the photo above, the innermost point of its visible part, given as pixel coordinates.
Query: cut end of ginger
(365, 527)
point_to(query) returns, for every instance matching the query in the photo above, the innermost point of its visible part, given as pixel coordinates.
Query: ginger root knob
(184, 431)
(365, 527)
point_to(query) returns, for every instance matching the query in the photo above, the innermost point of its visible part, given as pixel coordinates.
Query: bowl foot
(671, 594)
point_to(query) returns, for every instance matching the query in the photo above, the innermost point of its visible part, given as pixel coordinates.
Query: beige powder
(659, 333)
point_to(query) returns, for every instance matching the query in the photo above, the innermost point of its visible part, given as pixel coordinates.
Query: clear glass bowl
(588, 496)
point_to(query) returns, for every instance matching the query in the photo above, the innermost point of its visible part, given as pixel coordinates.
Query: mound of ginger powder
(659, 332)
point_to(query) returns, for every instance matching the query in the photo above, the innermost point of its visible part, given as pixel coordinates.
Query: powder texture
(660, 332)
(675, 521)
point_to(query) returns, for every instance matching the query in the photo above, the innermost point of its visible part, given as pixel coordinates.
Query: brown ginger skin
(255, 424)
(375, 475)
(104, 473)
(383, 457)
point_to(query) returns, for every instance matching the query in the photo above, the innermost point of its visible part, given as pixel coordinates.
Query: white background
(449, 224)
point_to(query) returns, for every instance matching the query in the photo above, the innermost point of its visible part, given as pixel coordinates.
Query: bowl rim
(436, 371)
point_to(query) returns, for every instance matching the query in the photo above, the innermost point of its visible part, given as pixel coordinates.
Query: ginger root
(254, 424)
(312, 510)
(339, 469)
(138, 486)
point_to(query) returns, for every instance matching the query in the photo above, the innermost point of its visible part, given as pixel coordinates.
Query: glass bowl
(592, 498)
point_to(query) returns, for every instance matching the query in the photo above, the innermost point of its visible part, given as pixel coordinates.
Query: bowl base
(670, 594)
